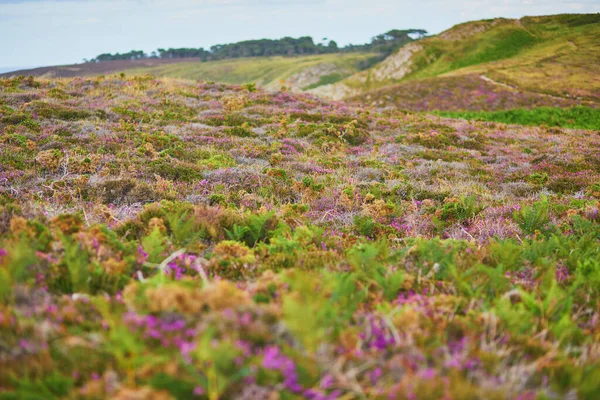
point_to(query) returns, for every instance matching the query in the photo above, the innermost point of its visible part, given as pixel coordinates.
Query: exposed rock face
(309, 76)
(396, 66)
(336, 91)
(463, 31)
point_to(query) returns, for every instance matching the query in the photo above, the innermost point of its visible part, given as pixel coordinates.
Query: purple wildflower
(275, 360)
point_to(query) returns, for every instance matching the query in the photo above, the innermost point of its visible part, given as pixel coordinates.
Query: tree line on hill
(385, 44)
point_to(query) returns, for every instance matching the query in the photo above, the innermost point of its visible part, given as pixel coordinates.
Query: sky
(53, 32)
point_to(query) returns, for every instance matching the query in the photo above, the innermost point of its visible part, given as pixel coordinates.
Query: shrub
(230, 260)
(176, 171)
(57, 111)
(20, 118)
(233, 103)
(565, 185)
(459, 209)
(534, 218)
(365, 225)
(216, 221)
(125, 191)
(259, 228)
(538, 178)
(239, 131)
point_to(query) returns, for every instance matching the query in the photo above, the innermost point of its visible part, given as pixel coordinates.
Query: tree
(384, 44)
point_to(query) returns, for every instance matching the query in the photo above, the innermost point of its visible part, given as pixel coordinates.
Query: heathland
(169, 238)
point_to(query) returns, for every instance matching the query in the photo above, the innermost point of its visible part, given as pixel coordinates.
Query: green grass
(500, 42)
(576, 117)
(262, 70)
(558, 55)
(326, 80)
(507, 43)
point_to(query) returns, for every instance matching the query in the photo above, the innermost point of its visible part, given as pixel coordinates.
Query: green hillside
(299, 73)
(557, 55)
(496, 64)
(575, 117)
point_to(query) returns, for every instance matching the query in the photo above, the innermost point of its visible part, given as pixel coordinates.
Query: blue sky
(50, 32)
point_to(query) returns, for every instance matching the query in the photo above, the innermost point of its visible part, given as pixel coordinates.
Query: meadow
(580, 117)
(557, 56)
(309, 71)
(462, 93)
(170, 239)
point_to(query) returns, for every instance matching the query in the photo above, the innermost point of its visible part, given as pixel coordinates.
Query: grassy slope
(558, 55)
(306, 72)
(568, 63)
(502, 39)
(576, 117)
(458, 93)
(263, 70)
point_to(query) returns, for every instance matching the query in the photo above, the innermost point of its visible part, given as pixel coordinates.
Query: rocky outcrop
(396, 66)
(463, 31)
(336, 91)
(299, 81)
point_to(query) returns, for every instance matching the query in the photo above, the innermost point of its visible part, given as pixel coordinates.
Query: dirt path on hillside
(504, 85)
(493, 82)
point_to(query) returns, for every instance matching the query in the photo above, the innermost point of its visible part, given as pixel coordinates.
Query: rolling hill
(556, 56)
(498, 64)
(296, 73)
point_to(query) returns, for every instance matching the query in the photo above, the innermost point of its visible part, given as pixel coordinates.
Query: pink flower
(428, 373)
(327, 381)
(274, 359)
(199, 391)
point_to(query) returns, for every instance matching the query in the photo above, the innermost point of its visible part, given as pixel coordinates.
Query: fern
(237, 232)
(155, 245)
(368, 260)
(76, 260)
(533, 218)
(183, 228)
(21, 257)
(364, 225)
(180, 389)
(496, 283)
(345, 298)
(52, 386)
(257, 229)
